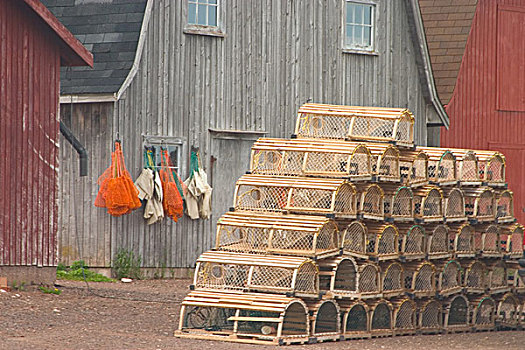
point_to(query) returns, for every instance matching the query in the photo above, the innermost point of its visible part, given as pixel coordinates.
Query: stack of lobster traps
(347, 230)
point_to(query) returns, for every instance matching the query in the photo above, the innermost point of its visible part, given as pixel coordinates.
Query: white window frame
(198, 29)
(168, 141)
(371, 50)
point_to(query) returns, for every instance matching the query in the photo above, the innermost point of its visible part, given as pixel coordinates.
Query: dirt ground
(144, 314)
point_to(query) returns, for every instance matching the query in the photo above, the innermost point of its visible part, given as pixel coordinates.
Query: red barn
(33, 46)
(477, 51)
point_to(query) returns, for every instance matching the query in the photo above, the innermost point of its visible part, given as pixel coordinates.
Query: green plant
(50, 290)
(126, 264)
(78, 271)
(19, 286)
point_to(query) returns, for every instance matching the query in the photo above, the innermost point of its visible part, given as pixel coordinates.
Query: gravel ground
(144, 314)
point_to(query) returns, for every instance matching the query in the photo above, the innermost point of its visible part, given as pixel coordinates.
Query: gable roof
(447, 26)
(72, 53)
(111, 30)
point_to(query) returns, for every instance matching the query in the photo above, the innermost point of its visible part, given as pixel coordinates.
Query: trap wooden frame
(467, 166)
(504, 206)
(449, 278)
(398, 203)
(353, 240)
(339, 276)
(356, 319)
(491, 168)
(508, 312)
(414, 168)
(428, 204)
(483, 312)
(438, 245)
(392, 279)
(369, 283)
(404, 316)
(430, 316)
(477, 278)
(420, 279)
(456, 312)
(391, 125)
(385, 164)
(454, 205)
(289, 275)
(488, 241)
(442, 168)
(480, 204)
(300, 195)
(512, 236)
(382, 241)
(498, 277)
(309, 236)
(413, 242)
(370, 202)
(462, 238)
(381, 308)
(204, 312)
(309, 157)
(325, 320)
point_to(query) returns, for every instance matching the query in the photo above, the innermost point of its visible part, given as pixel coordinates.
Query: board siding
(276, 56)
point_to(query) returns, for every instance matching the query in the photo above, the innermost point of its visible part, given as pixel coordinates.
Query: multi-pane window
(203, 12)
(156, 144)
(359, 26)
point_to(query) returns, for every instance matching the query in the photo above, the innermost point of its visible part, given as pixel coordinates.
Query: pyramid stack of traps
(347, 230)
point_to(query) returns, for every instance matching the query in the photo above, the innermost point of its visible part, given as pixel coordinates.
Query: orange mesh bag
(172, 201)
(117, 192)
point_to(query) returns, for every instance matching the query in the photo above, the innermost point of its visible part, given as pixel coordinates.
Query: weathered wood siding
(276, 56)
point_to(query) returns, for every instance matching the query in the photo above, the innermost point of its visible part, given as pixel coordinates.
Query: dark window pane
(368, 15)
(212, 2)
(367, 38)
(192, 13)
(201, 15)
(212, 16)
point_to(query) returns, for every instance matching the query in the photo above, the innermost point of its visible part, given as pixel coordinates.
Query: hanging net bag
(171, 186)
(117, 191)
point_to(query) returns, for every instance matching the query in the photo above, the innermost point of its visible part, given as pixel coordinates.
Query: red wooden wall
(29, 126)
(487, 109)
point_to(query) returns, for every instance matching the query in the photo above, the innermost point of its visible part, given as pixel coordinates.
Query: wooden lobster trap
(467, 166)
(393, 125)
(438, 244)
(442, 168)
(420, 279)
(449, 278)
(491, 168)
(428, 204)
(369, 282)
(325, 320)
(404, 316)
(413, 166)
(430, 316)
(353, 240)
(381, 324)
(250, 232)
(487, 241)
(505, 206)
(456, 314)
(512, 240)
(477, 278)
(398, 203)
(355, 320)
(339, 276)
(508, 312)
(454, 205)
(370, 202)
(221, 270)
(413, 242)
(382, 241)
(516, 283)
(498, 278)
(309, 157)
(244, 317)
(385, 162)
(461, 237)
(392, 279)
(296, 195)
(483, 312)
(480, 204)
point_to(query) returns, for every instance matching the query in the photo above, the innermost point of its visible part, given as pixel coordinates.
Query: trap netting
(491, 167)
(480, 203)
(484, 312)
(339, 275)
(382, 241)
(381, 316)
(392, 279)
(456, 312)
(420, 278)
(326, 319)
(462, 239)
(353, 240)
(438, 245)
(454, 205)
(356, 318)
(505, 207)
(476, 277)
(404, 315)
(428, 203)
(399, 202)
(413, 241)
(386, 166)
(430, 316)
(467, 167)
(310, 236)
(498, 279)
(490, 240)
(414, 168)
(512, 240)
(368, 281)
(441, 165)
(508, 310)
(370, 202)
(450, 277)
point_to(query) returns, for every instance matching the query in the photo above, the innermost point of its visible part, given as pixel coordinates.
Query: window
(359, 26)
(203, 12)
(172, 144)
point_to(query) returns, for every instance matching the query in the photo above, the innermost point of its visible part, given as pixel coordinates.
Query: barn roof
(110, 29)
(447, 26)
(72, 53)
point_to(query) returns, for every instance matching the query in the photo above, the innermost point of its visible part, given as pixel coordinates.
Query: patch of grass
(50, 290)
(74, 273)
(126, 264)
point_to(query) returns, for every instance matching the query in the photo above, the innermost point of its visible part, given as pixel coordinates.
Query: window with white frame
(359, 19)
(173, 145)
(203, 12)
